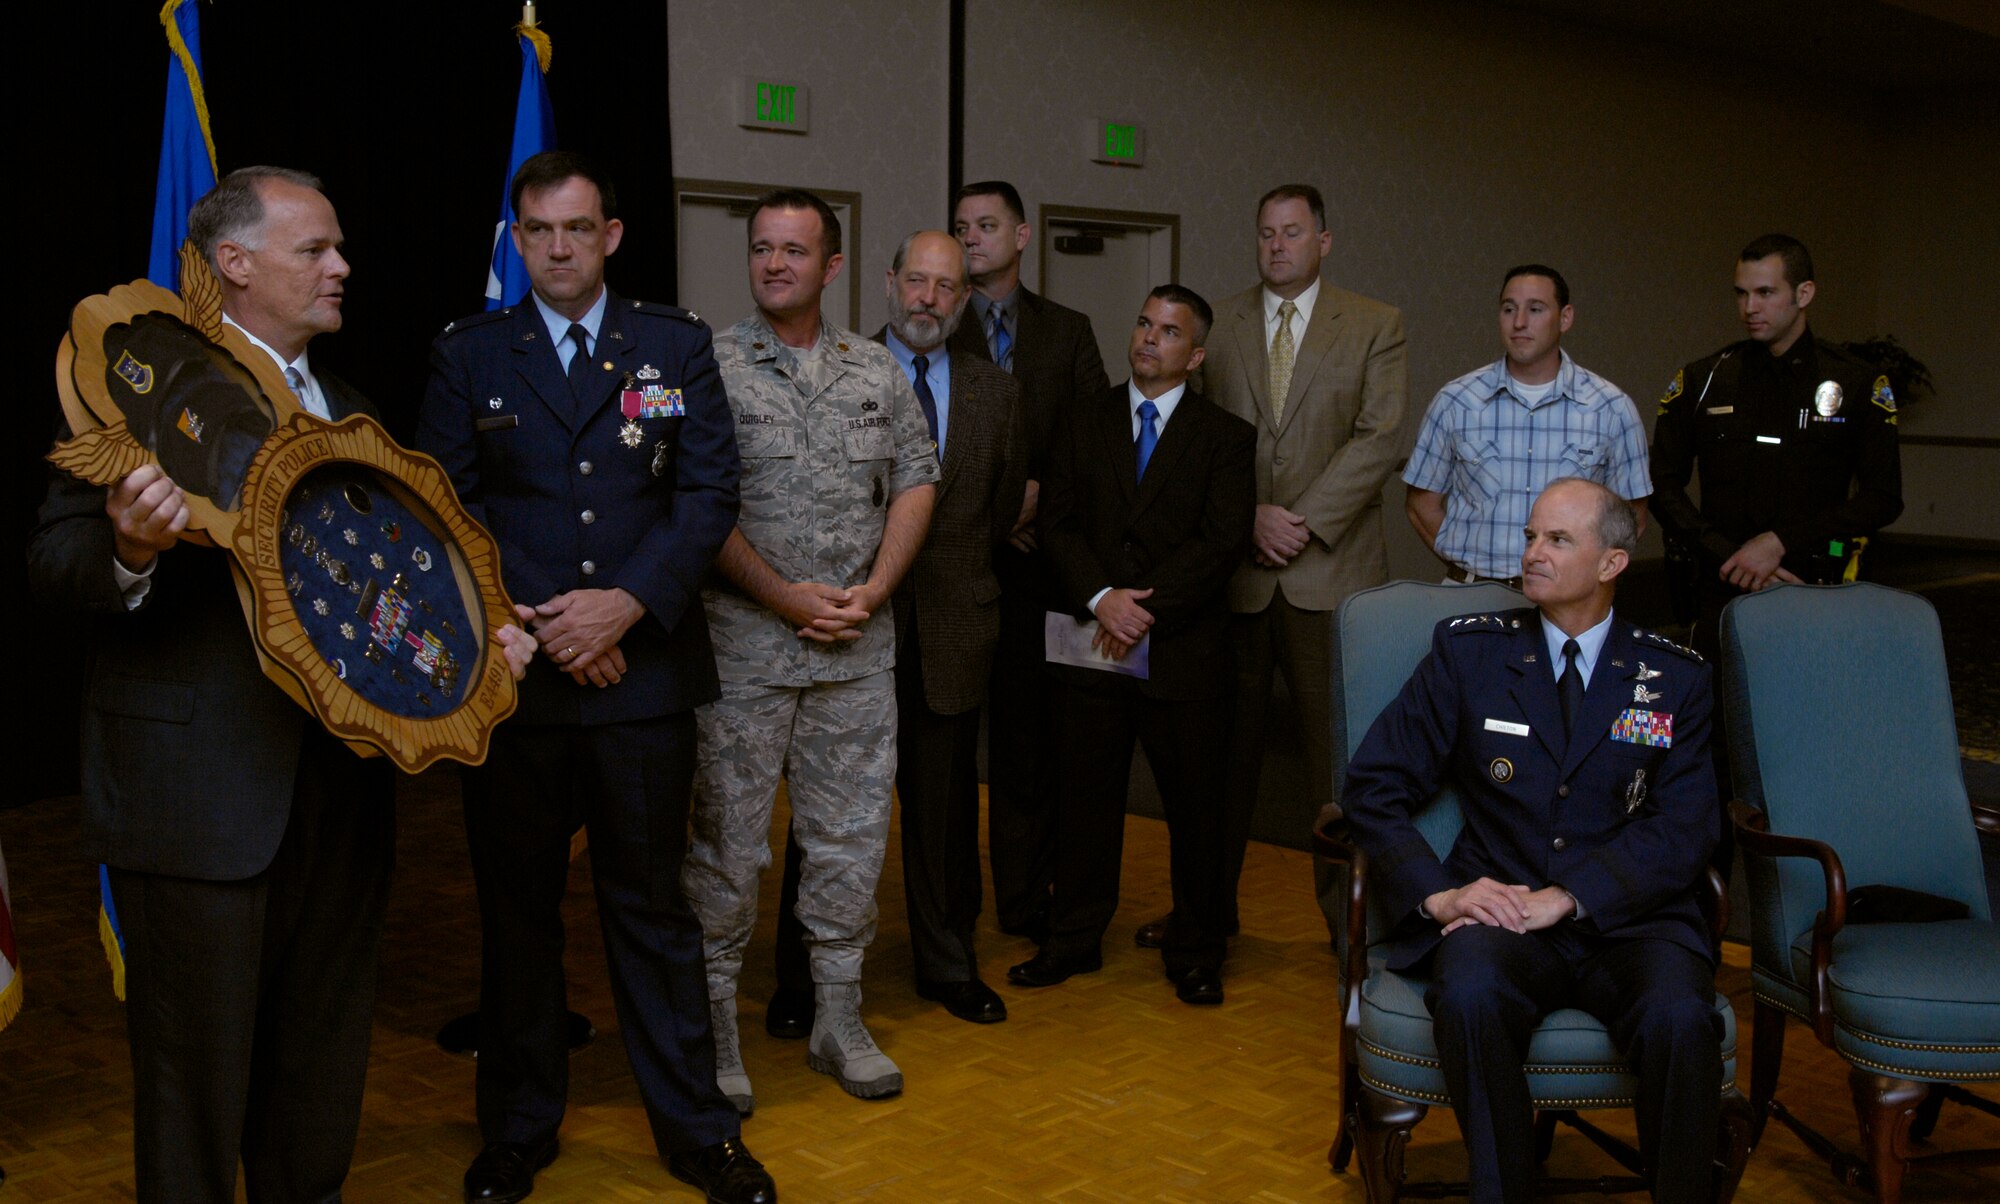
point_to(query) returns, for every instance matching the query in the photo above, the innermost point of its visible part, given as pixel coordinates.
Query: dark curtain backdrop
(406, 111)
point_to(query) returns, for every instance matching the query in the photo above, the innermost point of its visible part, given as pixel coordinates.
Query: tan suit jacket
(1336, 443)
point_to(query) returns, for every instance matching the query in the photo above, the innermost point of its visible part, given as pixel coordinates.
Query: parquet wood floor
(1103, 1089)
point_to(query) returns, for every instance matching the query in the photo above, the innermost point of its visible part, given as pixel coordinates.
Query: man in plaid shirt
(1494, 438)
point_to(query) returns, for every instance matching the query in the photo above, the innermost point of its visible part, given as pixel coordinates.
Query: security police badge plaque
(372, 597)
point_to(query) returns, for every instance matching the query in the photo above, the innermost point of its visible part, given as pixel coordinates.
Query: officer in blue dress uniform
(1579, 743)
(591, 435)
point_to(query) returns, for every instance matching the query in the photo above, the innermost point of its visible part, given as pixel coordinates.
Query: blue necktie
(927, 400)
(1002, 343)
(1149, 435)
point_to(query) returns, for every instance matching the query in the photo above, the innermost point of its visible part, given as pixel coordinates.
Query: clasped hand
(1121, 622)
(581, 630)
(1277, 535)
(1757, 564)
(827, 614)
(1513, 907)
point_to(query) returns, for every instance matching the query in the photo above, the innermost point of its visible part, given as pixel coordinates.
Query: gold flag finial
(544, 51)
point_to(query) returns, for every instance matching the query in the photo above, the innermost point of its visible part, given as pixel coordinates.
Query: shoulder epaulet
(659, 310)
(1465, 623)
(1660, 641)
(1844, 355)
(478, 319)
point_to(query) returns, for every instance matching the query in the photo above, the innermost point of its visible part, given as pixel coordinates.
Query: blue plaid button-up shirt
(1490, 454)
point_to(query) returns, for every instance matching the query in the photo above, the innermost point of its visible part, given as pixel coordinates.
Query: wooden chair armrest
(1334, 841)
(1754, 836)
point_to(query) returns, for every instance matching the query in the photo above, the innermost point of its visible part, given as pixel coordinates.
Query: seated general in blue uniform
(1579, 743)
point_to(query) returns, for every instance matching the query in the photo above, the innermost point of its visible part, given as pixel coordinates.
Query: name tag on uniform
(1506, 728)
(1714, 410)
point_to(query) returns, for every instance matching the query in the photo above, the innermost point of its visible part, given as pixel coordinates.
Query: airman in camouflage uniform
(838, 472)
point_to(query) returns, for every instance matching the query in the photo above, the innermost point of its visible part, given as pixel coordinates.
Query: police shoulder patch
(1660, 641)
(1674, 389)
(1882, 395)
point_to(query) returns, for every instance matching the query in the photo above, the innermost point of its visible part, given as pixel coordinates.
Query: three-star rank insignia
(1654, 637)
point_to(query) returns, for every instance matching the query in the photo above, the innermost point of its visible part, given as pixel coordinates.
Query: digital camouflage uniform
(828, 439)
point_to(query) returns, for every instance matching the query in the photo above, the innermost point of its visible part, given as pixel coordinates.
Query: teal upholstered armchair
(1390, 1074)
(1870, 920)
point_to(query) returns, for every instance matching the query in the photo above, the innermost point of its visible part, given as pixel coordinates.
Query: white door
(1104, 266)
(715, 254)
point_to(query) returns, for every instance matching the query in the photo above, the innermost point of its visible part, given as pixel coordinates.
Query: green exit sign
(771, 104)
(1119, 142)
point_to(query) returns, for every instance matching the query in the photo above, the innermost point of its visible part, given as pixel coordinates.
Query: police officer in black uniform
(1783, 427)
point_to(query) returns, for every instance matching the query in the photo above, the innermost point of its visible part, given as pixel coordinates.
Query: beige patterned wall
(1452, 140)
(878, 79)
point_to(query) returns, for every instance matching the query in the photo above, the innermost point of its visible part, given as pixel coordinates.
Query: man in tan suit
(1320, 373)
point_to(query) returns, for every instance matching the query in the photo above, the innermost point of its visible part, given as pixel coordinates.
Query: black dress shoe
(790, 1016)
(727, 1172)
(1199, 986)
(505, 1171)
(971, 1000)
(1043, 970)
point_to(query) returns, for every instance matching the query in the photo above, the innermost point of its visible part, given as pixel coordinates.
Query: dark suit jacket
(951, 583)
(574, 506)
(1056, 361)
(1179, 533)
(1538, 809)
(189, 751)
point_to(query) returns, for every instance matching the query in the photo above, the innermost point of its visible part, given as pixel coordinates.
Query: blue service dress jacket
(632, 486)
(1624, 815)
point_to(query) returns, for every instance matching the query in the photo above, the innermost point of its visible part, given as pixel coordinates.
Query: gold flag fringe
(181, 52)
(544, 49)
